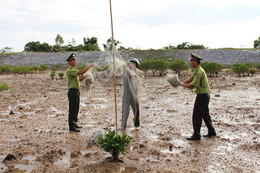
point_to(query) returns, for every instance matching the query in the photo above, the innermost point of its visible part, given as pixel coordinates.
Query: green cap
(71, 57)
(194, 56)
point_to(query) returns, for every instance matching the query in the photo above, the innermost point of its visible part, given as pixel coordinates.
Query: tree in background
(36, 46)
(6, 50)
(108, 46)
(145, 66)
(236, 68)
(59, 40)
(185, 45)
(178, 65)
(91, 44)
(169, 47)
(123, 48)
(241, 68)
(257, 43)
(212, 68)
(161, 65)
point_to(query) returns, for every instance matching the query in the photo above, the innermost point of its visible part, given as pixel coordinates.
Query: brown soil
(34, 127)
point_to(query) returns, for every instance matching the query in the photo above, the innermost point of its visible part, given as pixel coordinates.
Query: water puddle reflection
(171, 151)
(56, 110)
(26, 168)
(128, 169)
(3, 120)
(100, 99)
(98, 106)
(65, 161)
(15, 140)
(222, 150)
(30, 158)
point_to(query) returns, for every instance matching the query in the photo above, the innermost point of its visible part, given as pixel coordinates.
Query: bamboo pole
(113, 52)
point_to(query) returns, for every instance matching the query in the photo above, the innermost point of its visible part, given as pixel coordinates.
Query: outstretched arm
(84, 70)
(186, 83)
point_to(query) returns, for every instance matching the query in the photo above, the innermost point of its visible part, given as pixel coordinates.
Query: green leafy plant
(178, 65)
(252, 71)
(114, 143)
(53, 74)
(212, 68)
(257, 66)
(61, 74)
(3, 86)
(145, 66)
(42, 68)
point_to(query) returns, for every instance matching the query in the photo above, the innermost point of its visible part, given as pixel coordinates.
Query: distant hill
(222, 56)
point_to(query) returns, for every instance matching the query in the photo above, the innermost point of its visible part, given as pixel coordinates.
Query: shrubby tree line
(91, 44)
(244, 69)
(7, 69)
(185, 45)
(161, 66)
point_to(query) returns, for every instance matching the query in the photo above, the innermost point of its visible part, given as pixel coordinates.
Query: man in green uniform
(73, 78)
(199, 81)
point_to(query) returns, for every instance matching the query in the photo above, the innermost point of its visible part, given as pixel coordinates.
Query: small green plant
(114, 143)
(61, 74)
(257, 66)
(3, 86)
(42, 68)
(252, 71)
(53, 74)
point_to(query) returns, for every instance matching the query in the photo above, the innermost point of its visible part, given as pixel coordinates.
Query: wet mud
(34, 127)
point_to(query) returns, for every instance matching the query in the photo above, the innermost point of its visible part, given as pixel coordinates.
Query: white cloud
(137, 23)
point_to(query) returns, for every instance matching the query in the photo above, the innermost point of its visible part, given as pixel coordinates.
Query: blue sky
(142, 24)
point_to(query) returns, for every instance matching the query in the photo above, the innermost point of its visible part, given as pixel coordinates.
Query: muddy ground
(34, 127)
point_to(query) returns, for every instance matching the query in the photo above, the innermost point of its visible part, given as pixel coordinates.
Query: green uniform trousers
(201, 111)
(74, 100)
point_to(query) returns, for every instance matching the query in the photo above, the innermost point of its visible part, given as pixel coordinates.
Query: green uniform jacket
(73, 78)
(200, 81)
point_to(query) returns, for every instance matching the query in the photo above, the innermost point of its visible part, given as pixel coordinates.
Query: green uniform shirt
(200, 81)
(73, 78)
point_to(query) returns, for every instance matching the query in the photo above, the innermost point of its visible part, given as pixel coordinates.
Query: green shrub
(252, 71)
(160, 65)
(145, 66)
(61, 74)
(53, 74)
(42, 68)
(241, 68)
(114, 143)
(236, 68)
(212, 67)
(178, 65)
(257, 66)
(4, 86)
(245, 68)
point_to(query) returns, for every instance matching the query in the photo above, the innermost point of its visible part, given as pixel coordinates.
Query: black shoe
(194, 138)
(209, 135)
(74, 130)
(79, 127)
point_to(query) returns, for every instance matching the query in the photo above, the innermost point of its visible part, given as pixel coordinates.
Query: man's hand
(91, 64)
